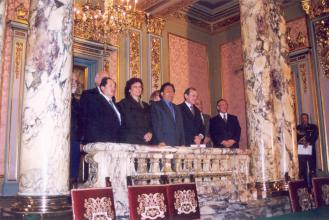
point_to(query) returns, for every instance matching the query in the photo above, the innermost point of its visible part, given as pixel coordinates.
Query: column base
(41, 205)
(271, 188)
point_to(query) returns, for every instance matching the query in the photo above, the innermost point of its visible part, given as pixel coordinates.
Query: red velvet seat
(148, 202)
(300, 198)
(93, 203)
(183, 201)
(321, 190)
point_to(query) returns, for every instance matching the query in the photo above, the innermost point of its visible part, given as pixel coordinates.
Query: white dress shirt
(190, 106)
(223, 115)
(113, 106)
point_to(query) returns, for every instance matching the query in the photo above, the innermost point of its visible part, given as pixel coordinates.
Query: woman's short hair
(129, 83)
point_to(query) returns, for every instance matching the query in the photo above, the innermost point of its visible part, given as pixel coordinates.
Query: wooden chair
(93, 203)
(321, 190)
(300, 198)
(183, 200)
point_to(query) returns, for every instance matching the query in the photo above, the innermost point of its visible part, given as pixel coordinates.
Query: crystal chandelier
(119, 15)
(101, 20)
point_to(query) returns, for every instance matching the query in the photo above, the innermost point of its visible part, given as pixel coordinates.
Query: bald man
(98, 78)
(86, 98)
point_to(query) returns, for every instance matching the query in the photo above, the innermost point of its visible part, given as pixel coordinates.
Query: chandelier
(101, 20)
(120, 15)
(105, 20)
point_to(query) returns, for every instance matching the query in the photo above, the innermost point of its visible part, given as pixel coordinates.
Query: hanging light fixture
(97, 23)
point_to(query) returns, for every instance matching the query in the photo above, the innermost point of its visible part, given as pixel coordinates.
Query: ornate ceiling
(209, 15)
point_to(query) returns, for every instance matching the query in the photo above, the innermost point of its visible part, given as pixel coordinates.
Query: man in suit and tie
(167, 119)
(205, 120)
(103, 117)
(194, 130)
(224, 128)
(87, 97)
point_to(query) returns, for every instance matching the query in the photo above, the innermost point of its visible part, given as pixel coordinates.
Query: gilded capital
(22, 14)
(315, 8)
(155, 25)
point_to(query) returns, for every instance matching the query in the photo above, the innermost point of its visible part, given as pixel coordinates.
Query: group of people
(160, 122)
(97, 117)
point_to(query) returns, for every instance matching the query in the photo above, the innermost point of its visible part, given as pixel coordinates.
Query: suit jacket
(206, 119)
(101, 122)
(85, 99)
(310, 133)
(221, 130)
(193, 125)
(167, 129)
(136, 121)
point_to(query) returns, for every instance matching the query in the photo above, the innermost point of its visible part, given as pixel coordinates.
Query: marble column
(269, 91)
(2, 29)
(44, 162)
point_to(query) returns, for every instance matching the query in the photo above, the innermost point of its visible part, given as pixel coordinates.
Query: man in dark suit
(167, 119)
(205, 121)
(86, 98)
(307, 135)
(224, 128)
(103, 117)
(194, 130)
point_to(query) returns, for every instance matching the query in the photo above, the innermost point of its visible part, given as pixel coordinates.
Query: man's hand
(148, 137)
(306, 144)
(231, 142)
(225, 143)
(228, 143)
(197, 140)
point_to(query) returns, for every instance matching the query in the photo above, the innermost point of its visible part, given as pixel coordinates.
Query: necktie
(171, 107)
(116, 111)
(192, 110)
(225, 118)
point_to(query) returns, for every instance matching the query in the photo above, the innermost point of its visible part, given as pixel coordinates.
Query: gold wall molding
(154, 25)
(302, 69)
(18, 58)
(134, 54)
(315, 8)
(22, 14)
(138, 20)
(155, 59)
(322, 41)
(15, 103)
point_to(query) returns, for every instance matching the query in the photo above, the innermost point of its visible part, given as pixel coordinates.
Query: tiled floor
(210, 209)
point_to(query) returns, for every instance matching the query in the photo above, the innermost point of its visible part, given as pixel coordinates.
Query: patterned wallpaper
(233, 83)
(188, 67)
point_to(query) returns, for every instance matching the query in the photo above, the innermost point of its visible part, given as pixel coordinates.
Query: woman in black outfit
(136, 125)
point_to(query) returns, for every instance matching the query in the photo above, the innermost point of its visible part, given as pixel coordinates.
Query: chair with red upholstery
(93, 203)
(183, 201)
(147, 202)
(300, 198)
(321, 190)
